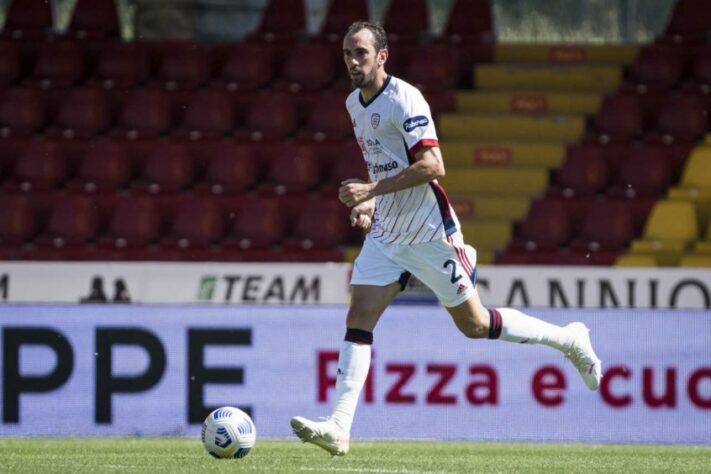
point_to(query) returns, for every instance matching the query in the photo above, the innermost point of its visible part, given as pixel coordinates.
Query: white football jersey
(391, 128)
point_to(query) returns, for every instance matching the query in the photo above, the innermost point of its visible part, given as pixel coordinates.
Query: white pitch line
(366, 469)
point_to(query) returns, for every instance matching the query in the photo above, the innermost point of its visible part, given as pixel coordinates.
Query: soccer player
(414, 231)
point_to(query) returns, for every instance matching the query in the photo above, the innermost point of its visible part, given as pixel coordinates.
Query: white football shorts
(447, 267)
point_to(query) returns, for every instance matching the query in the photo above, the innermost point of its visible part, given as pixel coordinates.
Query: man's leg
(368, 303)
(508, 324)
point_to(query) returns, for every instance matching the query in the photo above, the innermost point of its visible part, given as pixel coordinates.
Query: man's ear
(383, 56)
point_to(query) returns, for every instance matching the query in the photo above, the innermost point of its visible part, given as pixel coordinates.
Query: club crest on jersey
(415, 122)
(375, 120)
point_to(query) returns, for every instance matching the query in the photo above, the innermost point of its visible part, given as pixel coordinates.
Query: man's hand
(362, 215)
(355, 191)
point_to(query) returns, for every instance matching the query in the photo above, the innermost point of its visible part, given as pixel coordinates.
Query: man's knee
(471, 320)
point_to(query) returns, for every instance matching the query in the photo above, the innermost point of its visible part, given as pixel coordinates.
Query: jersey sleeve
(412, 116)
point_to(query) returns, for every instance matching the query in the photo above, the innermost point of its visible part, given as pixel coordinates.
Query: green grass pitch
(187, 455)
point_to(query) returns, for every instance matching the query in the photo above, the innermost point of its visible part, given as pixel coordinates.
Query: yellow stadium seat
(487, 233)
(514, 181)
(695, 184)
(704, 246)
(468, 154)
(696, 260)
(633, 260)
(528, 102)
(582, 78)
(562, 128)
(470, 206)
(670, 229)
(485, 256)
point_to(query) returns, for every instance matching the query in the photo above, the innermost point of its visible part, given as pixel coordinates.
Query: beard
(362, 81)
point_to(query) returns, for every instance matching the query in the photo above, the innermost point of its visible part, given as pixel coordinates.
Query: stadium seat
(689, 19)
(168, 168)
(272, 116)
(83, 113)
(469, 19)
(308, 67)
(134, 223)
(94, 20)
(105, 167)
(619, 119)
(328, 120)
(645, 173)
(282, 22)
(181, 65)
(584, 173)
(406, 20)
(10, 67)
(60, 64)
(438, 72)
(244, 67)
(73, 221)
(680, 119)
(231, 168)
(695, 183)
(635, 260)
(41, 167)
(27, 19)
(21, 113)
(18, 224)
(294, 168)
(260, 224)
(323, 224)
(339, 17)
(121, 65)
(145, 114)
(197, 223)
(346, 163)
(699, 79)
(606, 230)
(703, 247)
(657, 69)
(671, 228)
(208, 116)
(547, 226)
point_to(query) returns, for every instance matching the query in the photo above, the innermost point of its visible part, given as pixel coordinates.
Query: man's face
(361, 58)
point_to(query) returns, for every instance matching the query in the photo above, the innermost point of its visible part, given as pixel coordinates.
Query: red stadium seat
(232, 167)
(168, 168)
(27, 19)
(197, 223)
(584, 173)
(323, 224)
(293, 169)
(657, 69)
(406, 20)
(690, 19)
(272, 116)
(208, 116)
(182, 65)
(18, 224)
(438, 72)
(121, 65)
(94, 20)
(106, 166)
(282, 20)
(608, 227)
(42, 167)
(21, 113)
(645, 173)
(699, 80)
(73, 221)
(245, 67)
(60, 64)
(339, 17)
(309, 67)
(260, 224)
(546, 226)
(134, 223)
(10, 66)
(619, 119)
(680, 119)
(347, 163)
(328, 120)
(469, 19)
(145, 114)
(83, 113)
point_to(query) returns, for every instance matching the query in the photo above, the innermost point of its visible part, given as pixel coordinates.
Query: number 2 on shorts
(454, 278)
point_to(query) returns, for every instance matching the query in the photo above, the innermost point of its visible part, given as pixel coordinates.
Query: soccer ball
(228, 432)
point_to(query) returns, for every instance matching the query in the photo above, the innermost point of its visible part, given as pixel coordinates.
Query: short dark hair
(380, 38)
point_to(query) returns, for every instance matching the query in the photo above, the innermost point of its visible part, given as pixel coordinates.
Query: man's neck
(369, 92)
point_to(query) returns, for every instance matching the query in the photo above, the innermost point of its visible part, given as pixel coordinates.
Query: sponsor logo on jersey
(415, 122)
(375, 120)
(384, 168)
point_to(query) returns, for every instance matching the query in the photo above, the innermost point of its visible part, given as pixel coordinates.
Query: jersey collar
(372, 99)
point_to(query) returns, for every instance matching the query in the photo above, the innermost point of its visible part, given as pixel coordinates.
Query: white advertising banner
(139, 370)
(175, 283)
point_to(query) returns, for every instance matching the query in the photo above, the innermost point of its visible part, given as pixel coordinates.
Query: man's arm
(428, 166)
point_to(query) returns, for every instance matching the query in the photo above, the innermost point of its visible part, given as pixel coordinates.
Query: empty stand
(105, 167)
(671, 228)
(181, 65)
(309, 67)
(645, 173)
(83, 113)
(60, 64)
(134, 223)
(197, 223)
(41, 167)
(619, 119)
(584, 173)
(695, 183)
(73, 222)
(340, 15)
(546, 226)
(94, 20)
(10, 67)
(260, 224)
(680, 119)
(606, 231)
(231, 168)
(293, 169)
(208, 115)
(690, 19)
(328, 120)
(438, 72)
(18, 224)
(657, 69)
(346, 162)
(322, 225)
(244, 67)
(272, 116)
(406, 20)
(282, 21)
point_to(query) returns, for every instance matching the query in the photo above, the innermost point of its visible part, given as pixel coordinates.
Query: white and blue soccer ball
(228, 432)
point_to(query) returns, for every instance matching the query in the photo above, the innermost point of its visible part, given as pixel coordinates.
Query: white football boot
(583, 357)
(324, 434)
